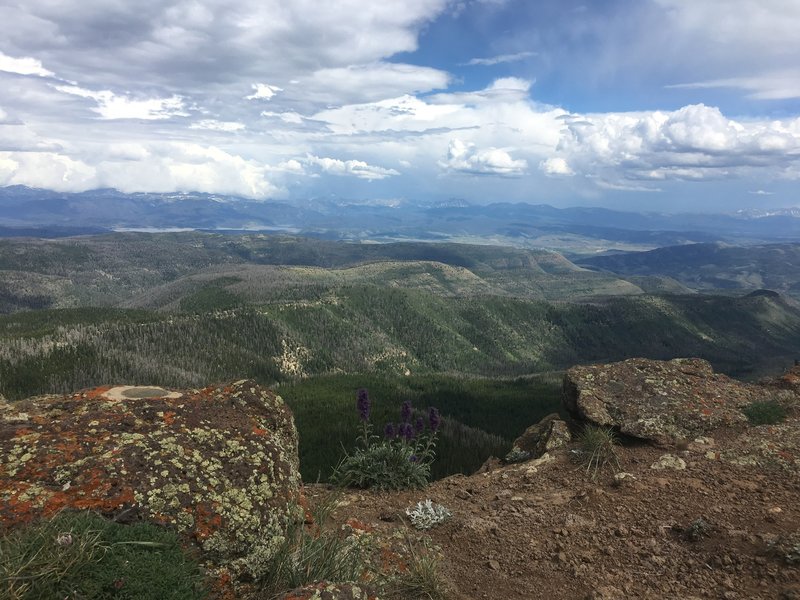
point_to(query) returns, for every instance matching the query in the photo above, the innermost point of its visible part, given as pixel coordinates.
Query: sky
(667, 105)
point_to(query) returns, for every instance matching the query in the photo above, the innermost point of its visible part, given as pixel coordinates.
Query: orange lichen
(96, 392)
(359, 526)
(258, 431)
(222, 586)
(391, 561)
(206, 521)
(169, 417)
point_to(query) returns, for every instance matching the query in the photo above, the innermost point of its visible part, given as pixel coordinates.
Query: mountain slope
(713, 266)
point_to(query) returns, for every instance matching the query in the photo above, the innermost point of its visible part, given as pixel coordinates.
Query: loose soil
(727, 526)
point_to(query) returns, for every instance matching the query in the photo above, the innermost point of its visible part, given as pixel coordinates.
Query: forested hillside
(371, 329)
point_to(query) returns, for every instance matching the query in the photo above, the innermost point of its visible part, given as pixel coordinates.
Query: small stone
(773, 513)
(494, 565)
(623, 478)
(669, 461)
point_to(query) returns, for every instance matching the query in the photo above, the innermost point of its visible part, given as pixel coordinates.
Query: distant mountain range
(26, 211)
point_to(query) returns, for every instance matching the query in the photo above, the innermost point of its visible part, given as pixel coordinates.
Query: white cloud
(45, 169)
(23, 66)
(213, 125)
(696, 142)
(781, 85)
(356, 168)
(207, 42)
(556, 166)
(289, 116)
(263, 91)
(370, 82)
(501, 58)
(112, 106)
(467, 158)
(156, 167)
(761, 193)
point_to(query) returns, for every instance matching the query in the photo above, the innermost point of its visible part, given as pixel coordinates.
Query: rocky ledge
(218, 464)
(662, 401)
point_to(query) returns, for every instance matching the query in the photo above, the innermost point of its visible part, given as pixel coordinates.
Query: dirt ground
(725, 526)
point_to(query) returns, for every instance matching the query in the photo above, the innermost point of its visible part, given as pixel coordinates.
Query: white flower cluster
(426, 514)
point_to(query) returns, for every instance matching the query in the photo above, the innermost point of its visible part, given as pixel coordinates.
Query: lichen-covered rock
(331, 591)
(219, 464)
(658, 400)
(547, 435)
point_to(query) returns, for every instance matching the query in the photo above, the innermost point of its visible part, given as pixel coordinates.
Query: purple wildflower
(413, 458)
(405, 411)
(419, 425)
(388, 432)
(407, 431)
(363, 404)
(434, 419)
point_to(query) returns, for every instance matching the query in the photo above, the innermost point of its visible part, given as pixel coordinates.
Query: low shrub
(766, 412)
(401, 460)
(426, 514)
(83, 555)
(598, 450)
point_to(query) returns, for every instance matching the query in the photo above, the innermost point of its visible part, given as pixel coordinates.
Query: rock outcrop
(658, 400)
(219, 464)
(548, 434)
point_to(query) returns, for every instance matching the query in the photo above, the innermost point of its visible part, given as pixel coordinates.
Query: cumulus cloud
(467, 158)
(112, 106)
(45, 169)
(263, 91)
(501, 58)
(696, 142)
(155, 167)
(355, 168)
(556, 166)
(23, 66)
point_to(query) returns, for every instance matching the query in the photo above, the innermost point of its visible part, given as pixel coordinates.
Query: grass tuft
(598, 447)
(421, 581)
(313, 553)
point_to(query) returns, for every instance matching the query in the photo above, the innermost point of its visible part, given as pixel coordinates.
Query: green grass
(421, 581)
(598, 450)
(767, 412)
(83, 555)
(313, 553)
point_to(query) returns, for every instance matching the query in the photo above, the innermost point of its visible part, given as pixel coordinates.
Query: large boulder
(218, 464)
(547, 435)
(658, 400)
